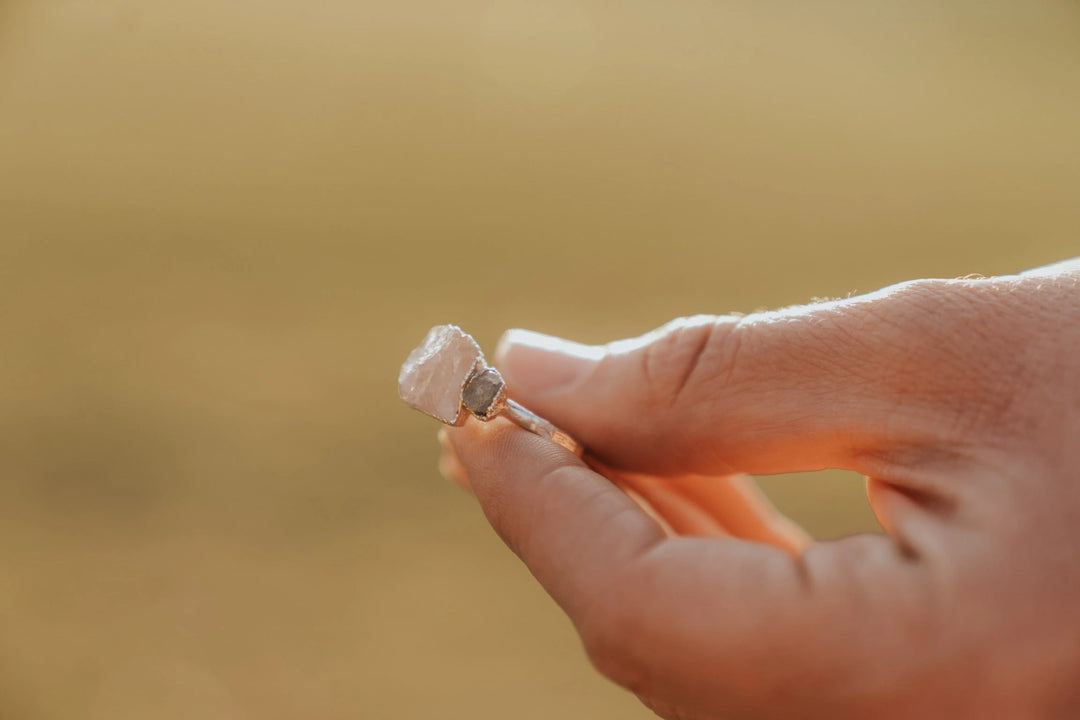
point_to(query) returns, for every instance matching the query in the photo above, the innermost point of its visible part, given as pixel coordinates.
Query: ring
(447, 377)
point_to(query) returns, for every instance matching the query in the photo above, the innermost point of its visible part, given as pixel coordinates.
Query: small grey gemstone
(482, 392)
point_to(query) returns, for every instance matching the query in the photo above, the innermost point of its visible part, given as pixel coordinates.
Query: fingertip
(471, 430)
(506, 342)
(479, 446)
(495, 441)
(535, 362)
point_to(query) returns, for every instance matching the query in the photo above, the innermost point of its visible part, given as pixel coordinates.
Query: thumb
(855, 383)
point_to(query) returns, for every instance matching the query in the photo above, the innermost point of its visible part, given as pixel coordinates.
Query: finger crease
(696, 359)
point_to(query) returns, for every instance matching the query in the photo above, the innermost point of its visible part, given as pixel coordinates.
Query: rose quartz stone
(433, 377)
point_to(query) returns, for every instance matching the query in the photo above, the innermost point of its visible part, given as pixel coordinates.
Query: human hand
(960, 402)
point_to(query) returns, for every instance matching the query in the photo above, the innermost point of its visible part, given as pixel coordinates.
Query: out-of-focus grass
(223, 225)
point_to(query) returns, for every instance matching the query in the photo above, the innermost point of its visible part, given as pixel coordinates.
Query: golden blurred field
(223, 225)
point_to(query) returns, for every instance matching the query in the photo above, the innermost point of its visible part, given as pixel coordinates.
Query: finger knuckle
(952, 348)
(682, 353)
(972, 343)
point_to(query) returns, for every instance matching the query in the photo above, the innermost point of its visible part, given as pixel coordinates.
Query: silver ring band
(534, 423)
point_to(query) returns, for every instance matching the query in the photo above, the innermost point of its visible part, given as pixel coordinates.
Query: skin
(959, 400)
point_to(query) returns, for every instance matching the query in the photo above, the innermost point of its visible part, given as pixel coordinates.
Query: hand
(960, 402)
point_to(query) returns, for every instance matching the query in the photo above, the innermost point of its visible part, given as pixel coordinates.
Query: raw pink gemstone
(434, 375)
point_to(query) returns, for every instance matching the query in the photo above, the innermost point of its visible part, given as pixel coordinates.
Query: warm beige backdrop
(223, 224)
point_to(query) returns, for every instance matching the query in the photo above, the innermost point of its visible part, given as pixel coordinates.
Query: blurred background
(224, 224)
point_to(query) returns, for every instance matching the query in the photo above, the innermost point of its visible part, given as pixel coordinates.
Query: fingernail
(535, 362)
